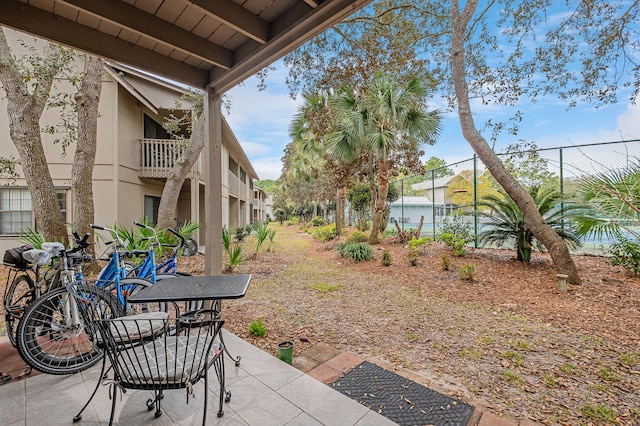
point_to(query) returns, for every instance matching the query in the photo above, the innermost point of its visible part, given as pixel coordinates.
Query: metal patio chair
(148, 352)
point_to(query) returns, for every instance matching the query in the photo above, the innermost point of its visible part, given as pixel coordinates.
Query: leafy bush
(280, 215)
(455, 243)
(356, 251)
(626, 253)
(456, 235)
(317, 221)
(467, 272)
(242, 231)
(357, 237)
(256, 328)
(416, 246)
(364, 225)
(325, 233)
(446, 262)
(386, 258)
(389, 233)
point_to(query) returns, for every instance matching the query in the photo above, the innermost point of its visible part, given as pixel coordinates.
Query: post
(562, 282)
(213, 184)
(475, 200)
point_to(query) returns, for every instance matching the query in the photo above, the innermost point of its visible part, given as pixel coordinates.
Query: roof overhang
(212, 44)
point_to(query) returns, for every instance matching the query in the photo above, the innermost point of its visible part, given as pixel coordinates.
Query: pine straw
(508, 341)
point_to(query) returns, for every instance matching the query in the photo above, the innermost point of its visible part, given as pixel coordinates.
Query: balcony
(158, 156)
(234, 185)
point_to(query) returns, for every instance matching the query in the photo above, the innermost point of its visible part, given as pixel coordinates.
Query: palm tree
(385, 118)
(506, 222)
(613, 198)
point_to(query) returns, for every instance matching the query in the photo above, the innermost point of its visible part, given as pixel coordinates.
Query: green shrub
(456, 235)
(256, 328)
(363, 226)
(357, 237)
(325, 233)
(626, 253)
(386, 258)
(446, 262)
(416, 247)
(242, 231)
(467, 272)
(280, 215)
(388, 233)
(317, 221)
(356, 251)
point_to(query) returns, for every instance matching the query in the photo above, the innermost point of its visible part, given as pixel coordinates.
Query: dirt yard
(508, 341)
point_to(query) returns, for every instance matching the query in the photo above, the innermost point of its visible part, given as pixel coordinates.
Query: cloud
(268, 167)
(627, 123)
(255, 149)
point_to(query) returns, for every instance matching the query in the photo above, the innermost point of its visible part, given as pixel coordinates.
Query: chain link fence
(453, 192)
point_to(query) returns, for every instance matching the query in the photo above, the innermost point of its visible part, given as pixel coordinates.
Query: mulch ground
(508, 341)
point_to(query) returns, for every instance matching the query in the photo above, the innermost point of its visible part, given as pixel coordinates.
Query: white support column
(213, 184)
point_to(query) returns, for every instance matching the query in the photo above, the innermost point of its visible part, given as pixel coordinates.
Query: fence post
(402, 203)
(475, 200)
(561, 186)
(433, 203)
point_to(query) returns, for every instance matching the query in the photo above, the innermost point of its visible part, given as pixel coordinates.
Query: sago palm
(506, 224)
(613, 200)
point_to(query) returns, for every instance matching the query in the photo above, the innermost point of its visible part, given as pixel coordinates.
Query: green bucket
(285, 351)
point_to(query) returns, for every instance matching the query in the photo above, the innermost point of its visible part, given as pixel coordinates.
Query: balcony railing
(234, 184)
(158, 156)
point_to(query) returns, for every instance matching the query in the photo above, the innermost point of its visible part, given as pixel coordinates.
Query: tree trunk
(339, 211)
(555, 245)
(171, 191)
(383, 189)
(24, 111)
(418, 230)
(87, 100)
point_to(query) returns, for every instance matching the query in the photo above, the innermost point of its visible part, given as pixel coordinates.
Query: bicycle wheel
(51, 336)
(21, 294)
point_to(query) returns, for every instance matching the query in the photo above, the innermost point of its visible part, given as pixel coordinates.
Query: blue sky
(260, 121)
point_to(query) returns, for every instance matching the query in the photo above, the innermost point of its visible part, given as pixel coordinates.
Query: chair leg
(78, 416)
(206, 398)
(217, 306)
(225, 396)
(113, 404)
(236, 360)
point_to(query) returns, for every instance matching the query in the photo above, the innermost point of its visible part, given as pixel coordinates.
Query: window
(16, 206)
(151, 205)
(153, 130)
(243, 176)
(15, 211)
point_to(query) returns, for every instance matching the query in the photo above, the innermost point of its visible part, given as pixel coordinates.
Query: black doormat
(401, 400)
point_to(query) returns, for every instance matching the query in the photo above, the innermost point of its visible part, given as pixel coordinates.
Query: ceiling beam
(307, 27)
(235, 16)
(138, 21)
(22, 17)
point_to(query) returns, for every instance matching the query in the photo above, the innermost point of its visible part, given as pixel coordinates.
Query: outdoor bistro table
(213, 288)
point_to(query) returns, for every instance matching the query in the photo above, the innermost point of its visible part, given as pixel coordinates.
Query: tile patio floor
(265, 391)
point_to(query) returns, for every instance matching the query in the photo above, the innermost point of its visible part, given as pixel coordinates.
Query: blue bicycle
(51, 336)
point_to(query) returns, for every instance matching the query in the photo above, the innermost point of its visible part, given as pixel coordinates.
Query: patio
(265, 391)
